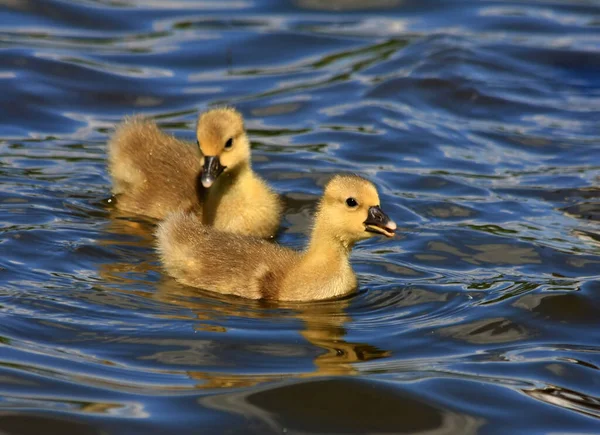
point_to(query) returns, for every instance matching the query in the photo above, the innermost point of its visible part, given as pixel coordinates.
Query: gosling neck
(230, 178)
(324, 242)
(324, 271)
(226, 185)
(241, 170)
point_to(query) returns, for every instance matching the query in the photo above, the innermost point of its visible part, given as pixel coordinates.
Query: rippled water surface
(478, 120)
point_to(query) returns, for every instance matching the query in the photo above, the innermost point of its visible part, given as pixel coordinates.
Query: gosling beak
(378, 222)
(211, 170)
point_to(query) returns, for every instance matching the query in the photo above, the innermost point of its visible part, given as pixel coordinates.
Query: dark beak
(211, 170)
(379, 222)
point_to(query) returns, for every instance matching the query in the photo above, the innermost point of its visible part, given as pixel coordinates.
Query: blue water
(479, 122)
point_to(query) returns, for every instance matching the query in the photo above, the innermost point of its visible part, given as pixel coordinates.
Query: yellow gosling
(155, 174)
(199, 256)
(237, 200)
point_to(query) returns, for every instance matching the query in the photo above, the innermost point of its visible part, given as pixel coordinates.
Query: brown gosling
(252, 268)
(155, 174)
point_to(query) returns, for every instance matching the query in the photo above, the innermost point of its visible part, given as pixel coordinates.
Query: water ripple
(478, 122)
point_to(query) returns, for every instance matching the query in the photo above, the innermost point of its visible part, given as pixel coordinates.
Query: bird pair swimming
(217, 211)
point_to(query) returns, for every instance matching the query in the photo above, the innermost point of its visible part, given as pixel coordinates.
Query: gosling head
(223, 142)
(351, 211)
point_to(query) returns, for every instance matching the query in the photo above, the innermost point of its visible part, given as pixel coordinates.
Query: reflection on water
(478, 122)
(341, 405)
(569, 399)
(488, 331)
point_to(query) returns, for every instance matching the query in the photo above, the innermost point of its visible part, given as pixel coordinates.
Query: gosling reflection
(132, 242)
(323, 327)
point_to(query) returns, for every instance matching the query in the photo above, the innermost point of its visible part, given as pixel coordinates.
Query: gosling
(201, 257)
(155, 174)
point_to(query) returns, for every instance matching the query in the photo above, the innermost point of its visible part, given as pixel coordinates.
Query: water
(479, 121)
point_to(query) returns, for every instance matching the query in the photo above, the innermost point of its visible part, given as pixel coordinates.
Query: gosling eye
(351, 202)
(229, 143)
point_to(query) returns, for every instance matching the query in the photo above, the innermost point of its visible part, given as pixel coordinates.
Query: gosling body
(241, 202)
(155, 174)
(199, 256)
